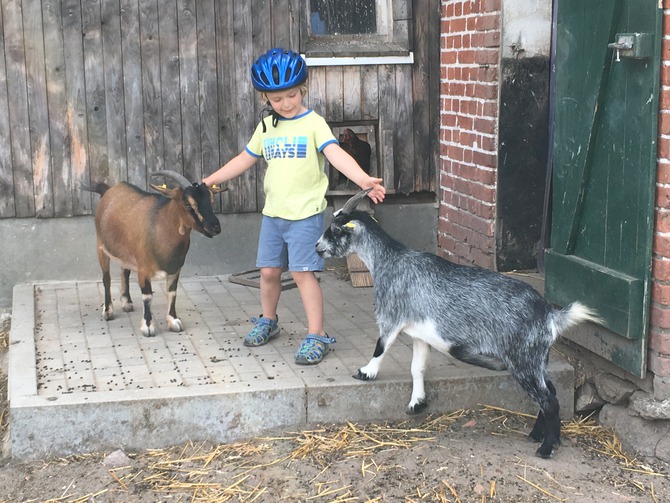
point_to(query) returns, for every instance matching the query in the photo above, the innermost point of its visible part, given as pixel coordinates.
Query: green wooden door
(604, 169)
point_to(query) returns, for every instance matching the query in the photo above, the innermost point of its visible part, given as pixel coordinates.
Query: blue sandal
(313, 349)
(264, 330)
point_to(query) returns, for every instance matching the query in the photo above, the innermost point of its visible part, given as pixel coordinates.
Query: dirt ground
(467, 456)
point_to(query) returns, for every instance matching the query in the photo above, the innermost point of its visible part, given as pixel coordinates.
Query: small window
(343, 17)
(335, 28)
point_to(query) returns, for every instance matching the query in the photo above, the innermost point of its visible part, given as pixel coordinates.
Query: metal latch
(632, 45)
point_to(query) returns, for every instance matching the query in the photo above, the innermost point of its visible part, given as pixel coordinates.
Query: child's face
(287, 103)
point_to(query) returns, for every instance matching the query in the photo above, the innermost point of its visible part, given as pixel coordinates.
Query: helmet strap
(275, 116)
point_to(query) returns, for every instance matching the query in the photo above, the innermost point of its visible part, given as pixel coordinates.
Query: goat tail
(98, 187)
(562, 319)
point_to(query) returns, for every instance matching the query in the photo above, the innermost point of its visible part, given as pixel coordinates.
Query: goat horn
(351, 204)
(173, 175)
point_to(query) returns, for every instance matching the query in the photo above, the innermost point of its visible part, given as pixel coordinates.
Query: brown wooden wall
(115, 89)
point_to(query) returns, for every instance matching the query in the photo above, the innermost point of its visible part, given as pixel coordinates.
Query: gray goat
(150, 234)
(476, 315)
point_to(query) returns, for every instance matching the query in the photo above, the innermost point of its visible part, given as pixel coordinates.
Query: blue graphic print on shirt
(283, 147)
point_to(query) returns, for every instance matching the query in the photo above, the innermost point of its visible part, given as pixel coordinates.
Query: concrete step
(80, 384)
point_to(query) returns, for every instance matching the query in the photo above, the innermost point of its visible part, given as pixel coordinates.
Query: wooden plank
(170, 90)
(228, 106)
(369, 93)
(96, 111)
(334, 94)
(404, 127)
(434, 102)
(387, 160)
(75, 113)
(285, 19)
(421, 111)
(361, 279)
(151, 86)
(57, 108)
(243, 188)
(38, 108)
(188, 80)
(387, 124)
(351, 93)
(136, 170)
(316, 100)
(6, 174)
(262, 11)
(114, 103)
(207, 84)
(316, 95)
(616, 300)
(281, 22)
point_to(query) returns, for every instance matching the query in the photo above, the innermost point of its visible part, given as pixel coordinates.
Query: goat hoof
(148, 330)
(108, 315)
(128, 308)
(362, 376)
(175, 324)
(545, 451)
(417, 408)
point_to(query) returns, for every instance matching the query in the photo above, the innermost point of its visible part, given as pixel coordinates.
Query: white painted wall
(526, 25)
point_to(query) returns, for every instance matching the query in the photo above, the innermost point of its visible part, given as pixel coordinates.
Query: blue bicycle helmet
(278, 69)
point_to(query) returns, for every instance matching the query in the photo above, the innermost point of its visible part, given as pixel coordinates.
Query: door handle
(624, 43)
(632, 45)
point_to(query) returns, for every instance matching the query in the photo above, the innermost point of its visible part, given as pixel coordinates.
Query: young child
(293, 140)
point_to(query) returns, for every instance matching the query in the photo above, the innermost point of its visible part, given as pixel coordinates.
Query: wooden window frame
(395, 42)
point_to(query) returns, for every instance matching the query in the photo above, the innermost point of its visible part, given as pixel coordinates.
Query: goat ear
(165, 190)
(217, 188)
(351, 204)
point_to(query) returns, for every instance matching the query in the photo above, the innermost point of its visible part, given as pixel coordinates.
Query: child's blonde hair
(302, 87)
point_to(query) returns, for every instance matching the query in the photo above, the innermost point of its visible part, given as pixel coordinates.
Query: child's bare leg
(315, 346)
(266, 327)
(312, 300)
(270, 291)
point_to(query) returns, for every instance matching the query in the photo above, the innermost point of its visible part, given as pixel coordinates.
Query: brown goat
(150, 234)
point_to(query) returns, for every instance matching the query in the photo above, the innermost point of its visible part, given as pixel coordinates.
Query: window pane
(343, 17)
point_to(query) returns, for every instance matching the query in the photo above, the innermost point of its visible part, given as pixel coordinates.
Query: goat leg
(539, 428)
(126, 301)
(548, 423)
(173, 321)
(107, 308)
(420, 352)
(147, 328)
(370, 371)
(552, 421)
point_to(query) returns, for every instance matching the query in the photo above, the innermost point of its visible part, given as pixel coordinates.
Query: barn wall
(659, 332)
(470, 68)
(112, 90)
(494, 133)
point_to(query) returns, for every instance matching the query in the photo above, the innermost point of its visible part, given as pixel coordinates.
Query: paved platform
(78, 383)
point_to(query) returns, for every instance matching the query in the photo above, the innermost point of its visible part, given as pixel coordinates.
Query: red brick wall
(659, 339)
(469, 69)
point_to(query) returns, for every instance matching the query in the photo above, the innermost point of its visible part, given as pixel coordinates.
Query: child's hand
(378, 191)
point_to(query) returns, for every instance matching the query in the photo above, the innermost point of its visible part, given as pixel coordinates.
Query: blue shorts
(290, 243)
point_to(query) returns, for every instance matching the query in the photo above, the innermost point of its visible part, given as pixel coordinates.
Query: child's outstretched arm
(235, 167)
(348, 166)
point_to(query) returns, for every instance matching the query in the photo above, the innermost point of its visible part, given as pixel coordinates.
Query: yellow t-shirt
(295, 182)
